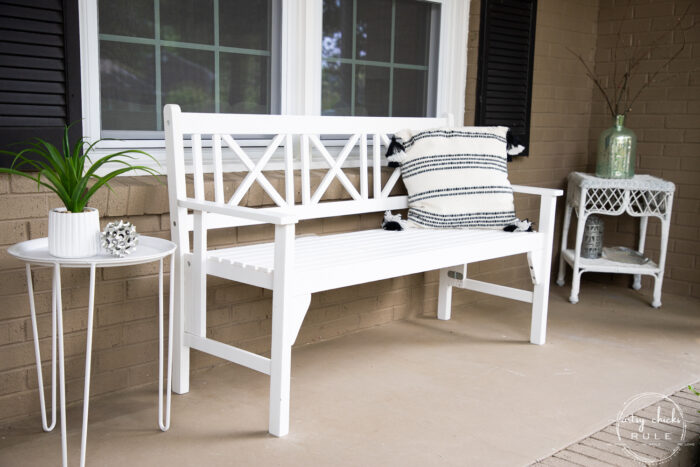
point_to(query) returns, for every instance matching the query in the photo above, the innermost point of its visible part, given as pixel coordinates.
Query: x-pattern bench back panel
(298, 141)
(226, 145)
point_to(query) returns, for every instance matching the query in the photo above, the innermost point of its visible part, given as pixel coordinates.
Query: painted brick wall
(125, 336)
(125, 340)
(666, 119)
(561, 110)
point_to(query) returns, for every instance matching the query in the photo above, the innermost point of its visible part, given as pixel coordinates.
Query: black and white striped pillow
(456, 177)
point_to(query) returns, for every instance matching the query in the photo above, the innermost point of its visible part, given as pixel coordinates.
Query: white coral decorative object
(119, 238)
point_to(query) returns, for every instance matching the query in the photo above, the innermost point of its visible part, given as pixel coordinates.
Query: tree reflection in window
(205, 55)
(376, 57)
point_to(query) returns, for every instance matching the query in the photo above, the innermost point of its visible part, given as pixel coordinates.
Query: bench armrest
(268, 217)
(533, 190)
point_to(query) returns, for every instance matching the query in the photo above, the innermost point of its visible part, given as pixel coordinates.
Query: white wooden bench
(295, 268)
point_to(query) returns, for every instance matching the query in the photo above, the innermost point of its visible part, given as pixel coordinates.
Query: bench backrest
(295, 139)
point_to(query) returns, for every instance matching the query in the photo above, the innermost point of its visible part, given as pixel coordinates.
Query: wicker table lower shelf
(607, 265)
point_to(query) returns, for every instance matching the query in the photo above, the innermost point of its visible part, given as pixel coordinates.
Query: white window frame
(301, 70)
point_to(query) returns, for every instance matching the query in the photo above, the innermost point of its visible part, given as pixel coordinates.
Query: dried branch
(624, 89)
(648, 48)
(621, 91)
(593, 78)
(614, 61)
(652, 79)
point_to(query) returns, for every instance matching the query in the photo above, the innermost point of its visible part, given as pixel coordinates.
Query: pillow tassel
(393, 222)
(395, 148)
(519, 226)
(513, 146)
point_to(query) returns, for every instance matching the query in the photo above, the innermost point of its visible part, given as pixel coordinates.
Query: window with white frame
(330, 57)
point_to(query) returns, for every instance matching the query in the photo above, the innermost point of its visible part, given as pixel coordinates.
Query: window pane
(187, 21)
(145, 65)
(188, 78)
(127, 17)
(244, 83)
(372, 90)
(127, 82)
(245, 23)
(374, 30)
(369, 47)
(336, 88)
(410, 93)
(337, 28)
(412, 32)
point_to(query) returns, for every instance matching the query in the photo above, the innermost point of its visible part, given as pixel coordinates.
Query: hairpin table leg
(37, 353)
(165, 425)
(61, 361)
(88, 362)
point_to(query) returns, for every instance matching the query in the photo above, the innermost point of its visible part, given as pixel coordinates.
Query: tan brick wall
(666, 119)
(125, 336)
(125, 341)
(125, 322)
(561, 109)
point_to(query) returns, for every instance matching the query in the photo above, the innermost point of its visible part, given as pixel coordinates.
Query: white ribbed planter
(74, 235)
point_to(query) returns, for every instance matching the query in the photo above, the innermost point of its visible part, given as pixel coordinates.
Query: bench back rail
(296, 139)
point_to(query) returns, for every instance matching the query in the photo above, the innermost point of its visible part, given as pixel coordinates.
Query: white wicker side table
(36, 252)
(642, 196)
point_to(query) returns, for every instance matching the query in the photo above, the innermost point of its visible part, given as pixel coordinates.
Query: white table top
(637, 182)
(37, 252)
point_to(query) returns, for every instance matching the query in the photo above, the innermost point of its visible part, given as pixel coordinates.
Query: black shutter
(39, 71)
(506, 53)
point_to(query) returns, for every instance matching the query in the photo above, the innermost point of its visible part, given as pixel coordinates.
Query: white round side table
(36, 252)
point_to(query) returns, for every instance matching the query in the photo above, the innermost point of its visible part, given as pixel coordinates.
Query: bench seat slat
(337, 260)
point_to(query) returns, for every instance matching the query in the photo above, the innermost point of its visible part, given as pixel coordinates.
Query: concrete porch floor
(470, 391)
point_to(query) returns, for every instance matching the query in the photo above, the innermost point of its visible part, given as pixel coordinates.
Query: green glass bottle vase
(616, 151)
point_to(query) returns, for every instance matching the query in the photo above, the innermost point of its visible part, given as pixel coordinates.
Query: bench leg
(283, 330)
(181, 352)
(181, 360)
(444, 310)
(280, 375)
(540, 295)
(564, 238)
(540, 299)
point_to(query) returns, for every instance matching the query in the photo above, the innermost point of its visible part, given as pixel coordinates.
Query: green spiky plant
(69, 170)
